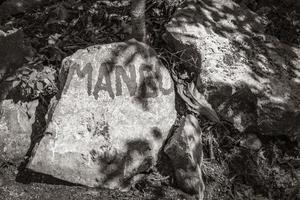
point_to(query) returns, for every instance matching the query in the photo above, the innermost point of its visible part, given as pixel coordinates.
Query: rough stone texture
(248, 77)
(116, 107)
(184, 149)
(16, 120)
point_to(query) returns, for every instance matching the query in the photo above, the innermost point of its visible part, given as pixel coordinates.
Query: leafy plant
(35, 80)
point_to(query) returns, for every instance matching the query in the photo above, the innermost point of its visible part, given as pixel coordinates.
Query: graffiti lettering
(129, 81)
(150, 80)
(103, 72)
(88, 69)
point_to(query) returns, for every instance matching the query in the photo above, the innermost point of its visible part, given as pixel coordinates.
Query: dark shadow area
(156, 133)
(116, 167)
(283, 16)
(148, 87)
(245, 172)
(38, 127)
(163, 164)
(27, 176)
(12, 56)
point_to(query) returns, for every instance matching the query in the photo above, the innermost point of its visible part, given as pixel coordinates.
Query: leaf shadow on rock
(120, 165)
(117, 167)
(231, 21)
(148, 85)
(124, 56)
(227, 21)
(247, 34)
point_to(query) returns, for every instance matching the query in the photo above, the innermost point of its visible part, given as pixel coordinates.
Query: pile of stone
(115, 111)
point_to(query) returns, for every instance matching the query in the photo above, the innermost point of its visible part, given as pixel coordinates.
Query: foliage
(33, 83)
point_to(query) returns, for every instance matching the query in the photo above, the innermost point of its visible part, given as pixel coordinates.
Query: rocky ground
(236, 166)
(44, 187)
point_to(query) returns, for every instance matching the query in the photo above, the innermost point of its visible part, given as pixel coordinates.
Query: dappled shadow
(246, 55)
(182, 156)
(233, 21)
(132, 63)
(123, 167)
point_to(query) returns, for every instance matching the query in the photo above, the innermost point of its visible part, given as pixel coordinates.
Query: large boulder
(16, 120)
(115, 109)
(184, 150)
(249, 78)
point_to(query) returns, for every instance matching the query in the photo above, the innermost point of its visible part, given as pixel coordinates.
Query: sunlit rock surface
(250, 78)
(115, 109)
(16, 120)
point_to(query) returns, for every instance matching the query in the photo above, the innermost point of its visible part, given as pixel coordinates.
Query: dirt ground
(31, 186)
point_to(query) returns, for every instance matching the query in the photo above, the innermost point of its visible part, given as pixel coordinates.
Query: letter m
(81, 73)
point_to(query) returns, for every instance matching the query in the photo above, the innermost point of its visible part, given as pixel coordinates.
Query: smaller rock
(16, 120)
(240, 109)
(251, 142)
(184, 150)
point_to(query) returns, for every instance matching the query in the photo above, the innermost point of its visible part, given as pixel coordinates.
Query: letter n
(129, 81)
(104, 72)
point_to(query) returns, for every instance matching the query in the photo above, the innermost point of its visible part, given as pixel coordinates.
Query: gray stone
(249, 78)
(16, 120)
(185, 152)
(251, 141)
(115, 109)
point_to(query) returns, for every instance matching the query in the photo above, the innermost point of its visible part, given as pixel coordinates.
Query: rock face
(115, 109)
(184, 149)
(16, 120)
(248, 77)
